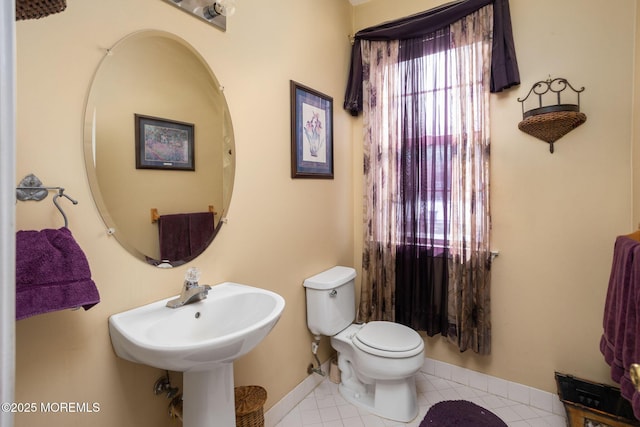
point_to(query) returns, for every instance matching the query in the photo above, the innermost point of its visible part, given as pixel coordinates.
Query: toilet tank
(331, 305)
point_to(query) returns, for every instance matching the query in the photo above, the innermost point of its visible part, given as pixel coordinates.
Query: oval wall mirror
(159, 148)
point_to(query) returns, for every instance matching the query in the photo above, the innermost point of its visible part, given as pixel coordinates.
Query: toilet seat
(388, 339)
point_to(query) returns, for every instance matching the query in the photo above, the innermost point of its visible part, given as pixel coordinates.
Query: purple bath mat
(460, 413)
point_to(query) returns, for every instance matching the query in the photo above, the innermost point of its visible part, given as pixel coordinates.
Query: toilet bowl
(378, 368)
(377, 360)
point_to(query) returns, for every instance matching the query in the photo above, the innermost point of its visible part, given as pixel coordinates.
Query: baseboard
(540, 399)
(278, 411)
(548, 402)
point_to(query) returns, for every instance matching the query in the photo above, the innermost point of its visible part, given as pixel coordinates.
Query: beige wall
(555, 216)
(280, 230)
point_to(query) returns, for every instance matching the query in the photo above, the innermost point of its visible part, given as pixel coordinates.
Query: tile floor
(325, 407)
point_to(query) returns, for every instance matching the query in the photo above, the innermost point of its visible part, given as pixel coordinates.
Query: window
(429, 122)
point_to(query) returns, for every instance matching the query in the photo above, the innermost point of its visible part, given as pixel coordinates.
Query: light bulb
(227, 7)
(198, 7)
(220, 7)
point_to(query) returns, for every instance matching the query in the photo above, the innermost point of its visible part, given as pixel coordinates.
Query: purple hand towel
(182, 236)
(52, 273)
(620, 342)
(200, 231)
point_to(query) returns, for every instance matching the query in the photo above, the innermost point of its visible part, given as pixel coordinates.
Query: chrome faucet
(191, 290)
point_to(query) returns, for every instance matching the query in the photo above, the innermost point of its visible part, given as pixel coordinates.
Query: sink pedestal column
(208, 397)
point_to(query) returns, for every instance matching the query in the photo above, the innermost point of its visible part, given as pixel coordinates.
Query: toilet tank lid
(330, 279)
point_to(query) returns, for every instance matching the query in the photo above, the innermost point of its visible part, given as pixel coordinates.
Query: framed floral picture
(164, 144)
(311, 133)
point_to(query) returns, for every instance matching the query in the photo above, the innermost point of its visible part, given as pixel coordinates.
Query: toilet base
(395, 399)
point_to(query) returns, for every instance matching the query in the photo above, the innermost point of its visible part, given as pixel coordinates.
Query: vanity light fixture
(213, 12)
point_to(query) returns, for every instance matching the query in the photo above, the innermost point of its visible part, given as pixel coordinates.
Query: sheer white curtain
(381, 145)
(418, 95)
(470, 257)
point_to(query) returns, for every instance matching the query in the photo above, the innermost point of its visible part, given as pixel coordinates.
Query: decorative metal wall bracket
(31, 188)
(551, 121)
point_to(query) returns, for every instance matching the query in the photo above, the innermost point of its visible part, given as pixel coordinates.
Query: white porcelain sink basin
(230, 322)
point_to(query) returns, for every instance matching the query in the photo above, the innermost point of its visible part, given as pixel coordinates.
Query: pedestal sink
(202, 340)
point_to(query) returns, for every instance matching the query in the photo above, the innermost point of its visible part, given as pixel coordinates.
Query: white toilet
(377, 360)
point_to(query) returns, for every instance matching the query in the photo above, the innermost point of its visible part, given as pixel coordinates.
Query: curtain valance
(504, 66)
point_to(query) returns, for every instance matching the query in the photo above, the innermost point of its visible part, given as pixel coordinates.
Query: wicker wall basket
(35, 9)
(553, 125)
(551, 121)
(249, 403)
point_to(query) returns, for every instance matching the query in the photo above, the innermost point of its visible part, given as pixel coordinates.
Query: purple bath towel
(620, 342)
(52, 273)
